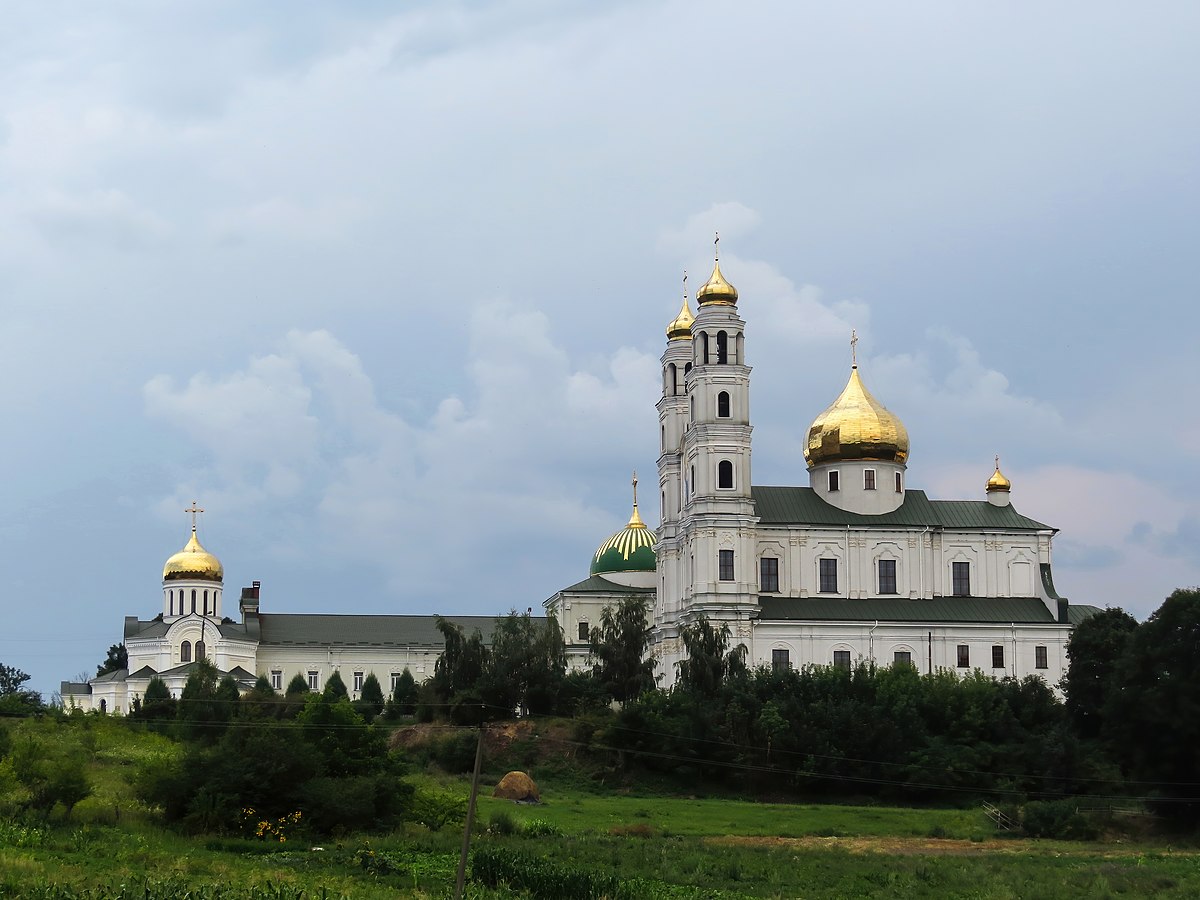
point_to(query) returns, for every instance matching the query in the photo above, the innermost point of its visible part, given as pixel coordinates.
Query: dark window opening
(725, 565)
(833, 481)
(887, 576)
(722, 347)
(583, 631)
(723, 405)
(673, 377)
(998, 656)
(768, 574)
(960, 573)
(725, 474)
(1040, 660)
(902, 656)
(841, 659)
(704, 348)
(780, 660)
(868, 479)
(964, 656)
(185, 651)
(200, 650)
(899, 487)
(828, 568)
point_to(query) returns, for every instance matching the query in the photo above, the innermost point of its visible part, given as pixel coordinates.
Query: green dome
(629, 550)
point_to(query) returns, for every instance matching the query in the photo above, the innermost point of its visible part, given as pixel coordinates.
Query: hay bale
(517, 786)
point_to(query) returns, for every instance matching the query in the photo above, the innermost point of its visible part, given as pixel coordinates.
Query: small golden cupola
(680, 328)
(998, 487)
(717, 291)
(193, 562)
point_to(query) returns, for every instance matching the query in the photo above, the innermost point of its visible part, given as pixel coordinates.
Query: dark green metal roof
(1077, 614)
(803, 506)
(595, 584)
(998, 610)
(362, 631)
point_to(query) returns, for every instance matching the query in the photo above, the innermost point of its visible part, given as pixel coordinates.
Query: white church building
(857, 566)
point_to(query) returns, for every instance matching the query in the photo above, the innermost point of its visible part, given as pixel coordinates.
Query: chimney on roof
(249, 601)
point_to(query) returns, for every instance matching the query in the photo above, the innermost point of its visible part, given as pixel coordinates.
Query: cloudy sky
(385, 290)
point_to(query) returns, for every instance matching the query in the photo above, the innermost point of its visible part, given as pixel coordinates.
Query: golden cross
(193, 509)
(635, 487)
(853, 348)
(717, 245)
(685, 284)
(997, 462)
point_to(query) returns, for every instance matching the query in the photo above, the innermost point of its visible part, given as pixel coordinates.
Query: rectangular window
(725, 565)
(828, 568)
(868, 479)
(960, 576)
(276, 680)
(358, 682)
(780, 660)
(887, 576)
(964, 656)
(841, 659)
(1039, 658)
(768, 574)
(833, 481)
(395, 681)
(902, 656)
(998, 656)
(583, 631)
(899, 484)
(313, 683)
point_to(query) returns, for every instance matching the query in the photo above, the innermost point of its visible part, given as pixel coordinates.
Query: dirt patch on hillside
(917, 846)
(498, 737)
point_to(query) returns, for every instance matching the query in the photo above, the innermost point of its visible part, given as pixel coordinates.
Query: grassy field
(578, 839)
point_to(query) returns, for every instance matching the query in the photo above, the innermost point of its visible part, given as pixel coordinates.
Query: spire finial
(635, 488)
(685, 284)
(193, 509)
(997, 462)
(853, 348)
(717, 246)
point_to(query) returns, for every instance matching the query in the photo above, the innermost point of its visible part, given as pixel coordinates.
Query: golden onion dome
(193, 563)
(717, 290)
(998, 482)
(856, 426)
(680, 328)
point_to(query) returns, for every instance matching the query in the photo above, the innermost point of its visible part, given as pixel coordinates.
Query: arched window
(193, 599)
(687, 368)
(185, 651)
(725, 474)
(693, 489)
(673, 378)
(103, 705)
(663, 505)
(704, 348)
(739, 349)
(664, 437)
(692, 408)
(199, 649)
(722, 347)
(172, 595)
(206, 610)
(723, 405)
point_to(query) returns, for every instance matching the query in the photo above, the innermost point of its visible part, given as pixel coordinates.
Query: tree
(372, 695)
(1094, 647)
(156, 704)
(117, 658)
(15, 699)
(618, 650)
(203, 711)
(405, 693)
(1152, 717)
(335, 688)
(51, 773)
(525, 665)
(706, 665)
(298, 686)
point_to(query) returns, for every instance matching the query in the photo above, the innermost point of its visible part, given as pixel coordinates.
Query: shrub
(502, 823)
(1056, 819)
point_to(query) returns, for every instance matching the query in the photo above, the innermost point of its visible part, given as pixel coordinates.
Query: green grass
(677, 848)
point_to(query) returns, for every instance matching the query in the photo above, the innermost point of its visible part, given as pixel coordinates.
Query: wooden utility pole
(466, 843)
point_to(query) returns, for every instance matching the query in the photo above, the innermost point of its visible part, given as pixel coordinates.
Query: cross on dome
(194, 509)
